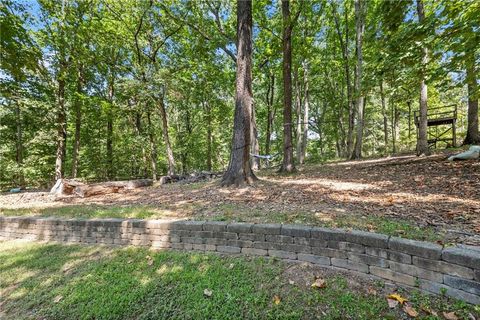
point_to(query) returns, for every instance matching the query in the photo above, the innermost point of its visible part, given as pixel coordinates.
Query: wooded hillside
(118, 90)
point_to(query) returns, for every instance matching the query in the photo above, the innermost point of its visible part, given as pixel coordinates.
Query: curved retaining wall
(428, 266)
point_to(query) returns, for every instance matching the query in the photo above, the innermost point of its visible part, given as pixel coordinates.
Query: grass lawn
(52, 281)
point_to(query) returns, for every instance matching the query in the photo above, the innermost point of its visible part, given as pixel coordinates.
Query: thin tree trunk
(409, 103)
(422, 141)
(61, 123)
(306, 106)
(270, 112)
(166, 138)
(288, 164)
(138, 131)
(385, 117)
(360, 28)
(239, 171)
(153, 148)
(346, 65)
(78, 122)
(19, 145)
(110, 167)
(209, 136)
(298, 111)
(473, 136)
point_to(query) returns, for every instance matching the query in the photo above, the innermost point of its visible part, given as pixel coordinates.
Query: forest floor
(427, 198)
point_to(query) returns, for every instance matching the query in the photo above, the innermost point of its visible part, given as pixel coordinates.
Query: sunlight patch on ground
(325, 217)
(333, 184)
(379, 160)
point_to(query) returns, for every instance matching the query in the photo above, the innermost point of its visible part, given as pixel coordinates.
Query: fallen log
(170, 179)
(65, 187)
(95, 190)
(69, 187)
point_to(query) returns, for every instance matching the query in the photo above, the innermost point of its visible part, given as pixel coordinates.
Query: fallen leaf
(276, 299)
(319, 283)
(410, 311)
(207, 292)
(57, 299)
(397, 297)
(392, 303)
(372, 291)
(450, 315)
(429, 311)
(149, 260)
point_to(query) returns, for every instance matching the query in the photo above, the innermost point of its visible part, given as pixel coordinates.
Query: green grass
(94, 211)
(385, 225)
(51, 281)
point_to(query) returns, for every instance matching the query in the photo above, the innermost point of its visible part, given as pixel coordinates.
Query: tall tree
(422, 139)
(289, 22)
(360, 98)
(61, 108)
(239, 171)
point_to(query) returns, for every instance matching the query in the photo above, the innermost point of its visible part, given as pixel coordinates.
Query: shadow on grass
(78, 282)
(49, 281)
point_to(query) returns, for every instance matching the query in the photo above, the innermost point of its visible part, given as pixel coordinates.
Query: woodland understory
(112, 90)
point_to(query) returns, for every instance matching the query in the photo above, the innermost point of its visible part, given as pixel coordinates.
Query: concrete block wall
(430, 267)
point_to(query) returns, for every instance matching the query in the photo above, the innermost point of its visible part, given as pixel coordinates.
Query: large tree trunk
(78, 121)
(385, 117)
(166, 138)
(473, 136)
(239, 171)
(360, 28)
(422, 139)
(306, 106)
(288, 164)
(270, 112)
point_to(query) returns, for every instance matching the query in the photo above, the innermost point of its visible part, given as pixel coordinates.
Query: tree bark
(139, 133)
(385, 117)
(299, 118)
(346, 65)
(19, 145)
(359, 28)
(110, 167)
(422, 139)
(270, 112)
(306, 106)
(255, 145)
(78, 121)
(473, 136)
(61, 123)
(288, 163)
(208, 110)
(239, 171)
(166, 138)
(153, 148)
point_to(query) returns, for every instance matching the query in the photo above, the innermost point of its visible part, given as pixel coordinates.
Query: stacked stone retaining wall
(452, 271)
